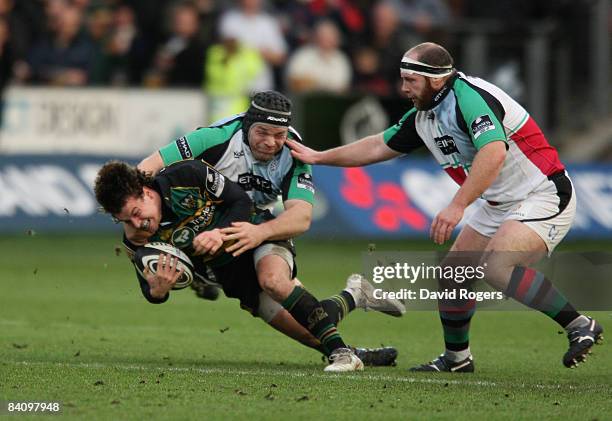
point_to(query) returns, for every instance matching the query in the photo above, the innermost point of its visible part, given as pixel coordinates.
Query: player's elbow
(151, 164)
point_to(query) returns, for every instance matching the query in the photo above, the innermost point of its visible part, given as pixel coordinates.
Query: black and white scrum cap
(268, 107)
(409, 66)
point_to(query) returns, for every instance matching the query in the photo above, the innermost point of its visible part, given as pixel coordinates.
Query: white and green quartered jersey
(467, 114)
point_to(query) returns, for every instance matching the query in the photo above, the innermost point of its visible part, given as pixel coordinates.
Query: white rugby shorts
(273, 249)
(549, 211)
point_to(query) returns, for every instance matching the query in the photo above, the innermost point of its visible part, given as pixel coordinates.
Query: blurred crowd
(230, 48)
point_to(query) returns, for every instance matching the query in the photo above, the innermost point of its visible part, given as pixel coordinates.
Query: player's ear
(146, 192)
(437, 83)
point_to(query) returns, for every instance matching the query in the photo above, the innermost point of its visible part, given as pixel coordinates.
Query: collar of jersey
(167, 215)
(442, 93)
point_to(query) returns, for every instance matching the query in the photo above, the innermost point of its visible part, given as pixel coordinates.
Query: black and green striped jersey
(223, 146)
(195, 198)
(466, 114)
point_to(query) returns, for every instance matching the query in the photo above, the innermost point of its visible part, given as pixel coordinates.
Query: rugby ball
(148, 256)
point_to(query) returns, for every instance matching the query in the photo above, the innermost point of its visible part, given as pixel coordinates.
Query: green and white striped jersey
(223, 145)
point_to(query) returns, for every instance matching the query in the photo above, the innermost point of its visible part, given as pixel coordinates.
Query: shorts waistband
(559, 175)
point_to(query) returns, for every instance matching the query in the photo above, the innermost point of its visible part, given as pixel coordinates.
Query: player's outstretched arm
(368, 150)
(290, 223)
(293, 221)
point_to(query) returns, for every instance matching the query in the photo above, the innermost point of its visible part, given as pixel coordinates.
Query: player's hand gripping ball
(148, 256)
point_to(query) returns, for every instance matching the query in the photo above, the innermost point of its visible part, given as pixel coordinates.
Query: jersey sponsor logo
(204, 217)
(250, 181)
(238, 154)
(183, 237)
(522, 211)
(184, 148)
(440, 94)
(446, 144)
(304, 181)
(481, 125)
(215, 183)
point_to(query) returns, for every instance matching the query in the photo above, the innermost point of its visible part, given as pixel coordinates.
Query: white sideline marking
(368, 377)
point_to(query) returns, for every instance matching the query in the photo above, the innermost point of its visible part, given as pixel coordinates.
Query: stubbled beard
(263, 157)
(429, 94)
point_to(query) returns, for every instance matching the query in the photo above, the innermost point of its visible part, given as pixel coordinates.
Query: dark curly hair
(116, 183)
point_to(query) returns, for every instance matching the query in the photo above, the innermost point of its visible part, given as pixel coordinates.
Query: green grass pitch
(75, 329)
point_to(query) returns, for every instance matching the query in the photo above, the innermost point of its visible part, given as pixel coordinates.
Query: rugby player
(187, 204)
(494, 150)
(249, 149)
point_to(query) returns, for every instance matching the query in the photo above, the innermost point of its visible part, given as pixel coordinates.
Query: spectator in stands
(178, 62)
(367, 75)
(208, 14)
(99, 23)
(129, 51)
(257, 29)
(321, 65)
(349, 18)
(296, 22)
(24, 22)
(233, 71)
(84, 5)
(65, 58)
(54, 9)
(151, 16)
(299, 17)
(375, 60)
(422, 17)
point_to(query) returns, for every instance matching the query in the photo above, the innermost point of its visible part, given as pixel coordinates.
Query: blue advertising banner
(44, 193)
(397, 199)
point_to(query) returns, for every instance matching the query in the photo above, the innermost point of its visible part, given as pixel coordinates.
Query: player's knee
(274, 277)
(498, 266)
(275, 283)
